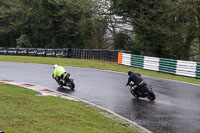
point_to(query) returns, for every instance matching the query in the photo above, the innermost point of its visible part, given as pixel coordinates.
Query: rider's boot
(135, 94)
(60, 84)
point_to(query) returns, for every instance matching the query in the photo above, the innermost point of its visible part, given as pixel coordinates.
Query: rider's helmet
(130, 72)
(54, 66)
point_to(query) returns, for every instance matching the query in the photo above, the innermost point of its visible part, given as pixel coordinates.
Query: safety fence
(177, 67)
(98, 54)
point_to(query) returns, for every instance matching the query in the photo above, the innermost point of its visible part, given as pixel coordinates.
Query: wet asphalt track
(176, 109)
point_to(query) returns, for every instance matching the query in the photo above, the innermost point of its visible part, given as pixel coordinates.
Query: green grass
(104, 65)
(22, 111)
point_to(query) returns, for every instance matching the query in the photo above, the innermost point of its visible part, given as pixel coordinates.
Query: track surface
(176, 109)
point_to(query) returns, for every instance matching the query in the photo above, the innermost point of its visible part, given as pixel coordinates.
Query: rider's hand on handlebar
(127, 84)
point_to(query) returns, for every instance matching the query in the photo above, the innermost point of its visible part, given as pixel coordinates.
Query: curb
(49, 92)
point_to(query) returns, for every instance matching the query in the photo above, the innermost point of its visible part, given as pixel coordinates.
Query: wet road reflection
(176, 109)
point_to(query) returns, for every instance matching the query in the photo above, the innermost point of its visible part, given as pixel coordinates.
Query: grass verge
(103, 65)
(22, 111)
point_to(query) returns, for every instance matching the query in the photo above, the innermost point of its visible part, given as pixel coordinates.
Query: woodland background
(158, 28)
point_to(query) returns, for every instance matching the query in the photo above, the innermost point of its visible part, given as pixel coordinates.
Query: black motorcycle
(66, 81)
(143, 92)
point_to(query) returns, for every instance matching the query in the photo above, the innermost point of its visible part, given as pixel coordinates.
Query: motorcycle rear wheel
(71, 84)
(151, 96)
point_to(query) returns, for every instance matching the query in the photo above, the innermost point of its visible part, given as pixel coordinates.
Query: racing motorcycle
(143, 92)
(66, 81)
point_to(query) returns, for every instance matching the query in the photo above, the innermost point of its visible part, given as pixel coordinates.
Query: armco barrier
(137, 61)
(186, 68)
(198, 70)
(126, 59)
(167, 65)
(151, 63)
(177, 67)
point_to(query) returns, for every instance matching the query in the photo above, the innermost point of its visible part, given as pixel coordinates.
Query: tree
(123, 41)
(52, 23)
(161, 28)
(23, 42)
(10, 22)
(114, 23)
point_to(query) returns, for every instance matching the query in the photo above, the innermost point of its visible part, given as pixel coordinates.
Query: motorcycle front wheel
(134, 94)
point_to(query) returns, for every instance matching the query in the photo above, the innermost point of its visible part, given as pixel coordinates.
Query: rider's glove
(135, 86)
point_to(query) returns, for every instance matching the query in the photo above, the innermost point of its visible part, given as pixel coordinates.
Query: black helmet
(130, 72)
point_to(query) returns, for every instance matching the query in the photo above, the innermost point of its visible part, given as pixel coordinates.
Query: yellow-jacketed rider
(58, 73)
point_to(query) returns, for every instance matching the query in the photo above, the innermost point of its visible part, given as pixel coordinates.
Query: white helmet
(54, 66)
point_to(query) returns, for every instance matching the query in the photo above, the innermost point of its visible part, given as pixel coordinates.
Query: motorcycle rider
(58, 74)
(137, 80)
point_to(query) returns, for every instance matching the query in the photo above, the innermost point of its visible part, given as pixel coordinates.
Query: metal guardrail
(177, 67)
